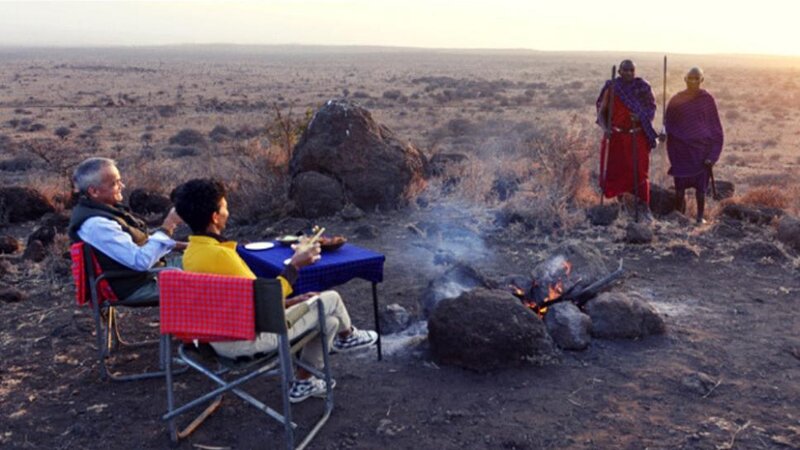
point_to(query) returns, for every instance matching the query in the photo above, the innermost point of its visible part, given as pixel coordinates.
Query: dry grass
(765, 196)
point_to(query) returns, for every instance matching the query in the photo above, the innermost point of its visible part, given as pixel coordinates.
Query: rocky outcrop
(375, 168)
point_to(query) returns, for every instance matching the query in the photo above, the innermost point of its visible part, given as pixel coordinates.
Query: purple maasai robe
(637, 95)
(694, 134)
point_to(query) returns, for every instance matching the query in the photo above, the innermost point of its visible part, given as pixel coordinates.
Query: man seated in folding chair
(121, 240)
(202, 205)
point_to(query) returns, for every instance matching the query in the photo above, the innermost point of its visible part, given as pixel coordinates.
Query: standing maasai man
(694, 140)
(633, 111)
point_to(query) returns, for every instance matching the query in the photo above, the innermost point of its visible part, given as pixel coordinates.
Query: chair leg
(166, 362)
(101, 342)
(286, 377)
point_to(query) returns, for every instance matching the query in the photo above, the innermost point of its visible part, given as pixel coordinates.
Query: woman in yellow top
(202, 205)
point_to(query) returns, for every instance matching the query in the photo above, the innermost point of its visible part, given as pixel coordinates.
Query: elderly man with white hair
(122, 241)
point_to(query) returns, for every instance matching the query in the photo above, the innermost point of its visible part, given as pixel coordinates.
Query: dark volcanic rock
(568, 326)
(486, 329)
(35, 251)
(377, 170)
(453, 282)
(9, 245)
(9, 294)
(638, 233)
(394, 318)
(754, 214)
(316, 195)
(756, 251)
(146, 202)
(619, 316)
(683, 252)
(351, 212)
(19, 204)
(789, 232)
(602, 215)
(662, 201)
(729, 228)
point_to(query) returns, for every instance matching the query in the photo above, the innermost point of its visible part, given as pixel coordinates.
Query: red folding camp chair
(92, 288)
(200, 308)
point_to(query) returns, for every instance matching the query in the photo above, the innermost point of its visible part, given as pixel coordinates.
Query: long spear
(604, 171)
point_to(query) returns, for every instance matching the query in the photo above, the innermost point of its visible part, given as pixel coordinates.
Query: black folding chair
(200, 308)
(104, 304)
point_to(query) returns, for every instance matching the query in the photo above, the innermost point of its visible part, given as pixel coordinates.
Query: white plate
(259, 245)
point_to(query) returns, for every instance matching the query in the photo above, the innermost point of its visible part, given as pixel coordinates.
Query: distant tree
(62, 132)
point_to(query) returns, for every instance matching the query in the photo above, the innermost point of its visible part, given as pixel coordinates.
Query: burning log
(579, 293)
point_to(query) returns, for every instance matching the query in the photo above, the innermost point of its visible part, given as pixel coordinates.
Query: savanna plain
(518, 150)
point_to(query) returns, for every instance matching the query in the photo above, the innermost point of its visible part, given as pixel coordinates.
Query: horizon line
(4, 46)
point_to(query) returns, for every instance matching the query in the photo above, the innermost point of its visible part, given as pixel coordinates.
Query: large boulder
(619, 316)
(21, 204)
(316, 195)
(487, 329)
(377, 169)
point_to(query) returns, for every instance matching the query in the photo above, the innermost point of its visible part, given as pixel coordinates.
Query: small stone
(35, 251)
(366, 231)
(9, 245)
(699, 382)
(351, 212)
(394, 319)
(602, 215)
(789, 232)
(638, 233)
(9, 294)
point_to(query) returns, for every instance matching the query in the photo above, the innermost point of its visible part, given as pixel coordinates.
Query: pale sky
(670, 26)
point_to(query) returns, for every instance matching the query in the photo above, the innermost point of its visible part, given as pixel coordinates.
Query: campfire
(550, 288)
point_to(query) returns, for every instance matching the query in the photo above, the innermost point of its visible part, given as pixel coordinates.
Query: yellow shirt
(205, 254)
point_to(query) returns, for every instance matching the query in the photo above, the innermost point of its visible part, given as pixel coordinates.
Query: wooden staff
(609, 130)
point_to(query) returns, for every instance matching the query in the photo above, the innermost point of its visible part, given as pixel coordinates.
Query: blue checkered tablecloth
(335, 268)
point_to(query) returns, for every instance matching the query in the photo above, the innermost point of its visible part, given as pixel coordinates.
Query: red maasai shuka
(619, 174)
(82, 294)
(206, 307)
